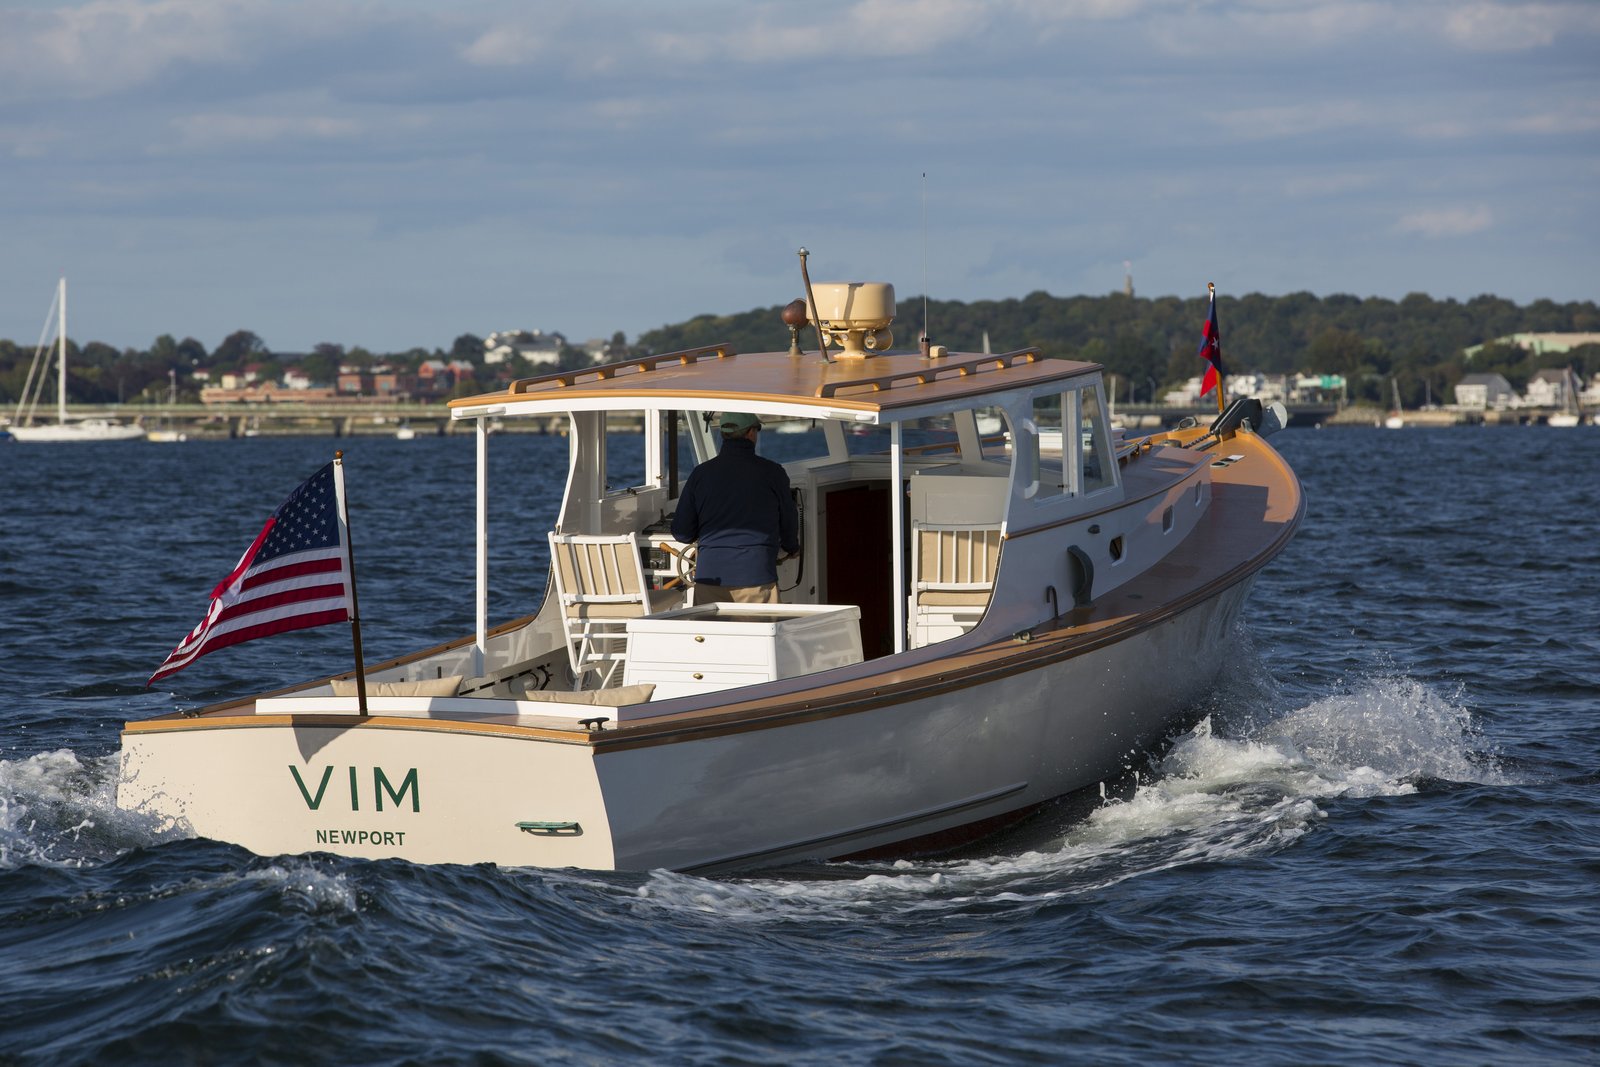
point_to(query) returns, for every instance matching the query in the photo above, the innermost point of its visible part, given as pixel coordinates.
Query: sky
(395, 174)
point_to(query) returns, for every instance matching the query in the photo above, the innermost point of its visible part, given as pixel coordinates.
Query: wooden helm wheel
(682, 562)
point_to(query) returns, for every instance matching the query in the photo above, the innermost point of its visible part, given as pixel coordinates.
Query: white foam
(1213, 798)
(306, 885)
(58, 811)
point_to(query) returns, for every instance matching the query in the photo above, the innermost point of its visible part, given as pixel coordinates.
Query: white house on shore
(535, 346)
(1546, 389)
(1485, 392)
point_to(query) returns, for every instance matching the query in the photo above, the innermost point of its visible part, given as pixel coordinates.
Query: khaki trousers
(744, 594)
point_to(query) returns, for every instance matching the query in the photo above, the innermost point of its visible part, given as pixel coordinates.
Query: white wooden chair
(600, 583)
(953, 568)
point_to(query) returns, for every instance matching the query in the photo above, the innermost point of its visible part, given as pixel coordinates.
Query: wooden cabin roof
(716, 377)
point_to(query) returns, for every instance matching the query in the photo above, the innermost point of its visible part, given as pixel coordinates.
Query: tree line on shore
(1150, 344)
(1147, 344)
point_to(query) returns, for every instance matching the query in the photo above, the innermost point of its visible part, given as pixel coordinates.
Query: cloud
(215, 130)
(109, 45)
(1572, 117)
(1292, 120)
(1501, 27)
(1446, 222)
(1321, 184)
(504, 46)
(1254, 28)
(867, 28)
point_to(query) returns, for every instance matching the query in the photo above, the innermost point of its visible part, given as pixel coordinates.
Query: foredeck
(716, 377)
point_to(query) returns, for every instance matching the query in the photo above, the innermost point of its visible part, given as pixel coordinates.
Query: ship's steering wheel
(682, 563)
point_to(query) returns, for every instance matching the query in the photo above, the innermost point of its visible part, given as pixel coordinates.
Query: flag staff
(350, 571)
(1222, 386)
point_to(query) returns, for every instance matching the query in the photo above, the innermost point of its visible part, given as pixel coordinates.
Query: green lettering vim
(312, 802)
(380, 786)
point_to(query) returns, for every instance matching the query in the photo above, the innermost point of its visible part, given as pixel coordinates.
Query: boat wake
(57, 811)
(1225, 791)
(1234, 787)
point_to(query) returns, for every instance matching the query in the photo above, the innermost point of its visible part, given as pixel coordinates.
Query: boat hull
(91, 430)
(848, 778)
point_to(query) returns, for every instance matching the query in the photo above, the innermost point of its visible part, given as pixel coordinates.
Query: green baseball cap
(737, 422)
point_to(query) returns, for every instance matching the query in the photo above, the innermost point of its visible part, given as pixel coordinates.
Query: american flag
(1211, 349)
(296, 575)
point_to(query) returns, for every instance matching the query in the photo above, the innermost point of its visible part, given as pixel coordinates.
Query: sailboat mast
(61, 349)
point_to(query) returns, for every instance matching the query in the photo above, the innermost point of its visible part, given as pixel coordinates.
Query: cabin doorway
(857, 566)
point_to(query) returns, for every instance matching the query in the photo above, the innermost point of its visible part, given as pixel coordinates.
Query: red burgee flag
(296, 575)
(1211, 347)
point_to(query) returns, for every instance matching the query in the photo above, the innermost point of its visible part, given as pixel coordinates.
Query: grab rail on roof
(935, 370)
(642, 365)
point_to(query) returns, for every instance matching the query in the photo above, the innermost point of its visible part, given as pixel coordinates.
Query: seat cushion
(427, 687)
(605, 698)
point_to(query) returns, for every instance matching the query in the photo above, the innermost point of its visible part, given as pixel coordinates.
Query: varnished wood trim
(311, 720)
(934, 370)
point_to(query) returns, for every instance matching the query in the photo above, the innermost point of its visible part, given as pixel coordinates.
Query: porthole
(1196, 494)
(1166, 520)
(1116, 547)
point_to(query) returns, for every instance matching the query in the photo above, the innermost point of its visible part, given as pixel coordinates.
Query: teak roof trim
(933, 372)
(716, 374)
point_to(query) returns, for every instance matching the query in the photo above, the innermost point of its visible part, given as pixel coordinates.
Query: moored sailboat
(1571, 413)
(63, 429)
(1396, 419)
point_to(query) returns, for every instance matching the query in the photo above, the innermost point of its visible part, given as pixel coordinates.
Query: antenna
(922, 342)
(822, 342)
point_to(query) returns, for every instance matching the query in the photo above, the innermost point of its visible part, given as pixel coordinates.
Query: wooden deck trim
(492, 726)
(934, 371)
(713, 377)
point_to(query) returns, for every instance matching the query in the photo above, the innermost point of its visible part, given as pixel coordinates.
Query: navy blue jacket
(739, 508)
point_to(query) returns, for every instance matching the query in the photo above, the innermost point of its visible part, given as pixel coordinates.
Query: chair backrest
(599, 577)
(954, 558)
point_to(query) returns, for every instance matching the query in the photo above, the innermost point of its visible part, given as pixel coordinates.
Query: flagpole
(1211, 287)
(350, 571)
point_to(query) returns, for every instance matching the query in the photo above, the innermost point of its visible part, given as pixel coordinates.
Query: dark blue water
(1382, 846)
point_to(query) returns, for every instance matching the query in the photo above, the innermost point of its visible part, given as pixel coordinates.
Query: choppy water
(1383, 845)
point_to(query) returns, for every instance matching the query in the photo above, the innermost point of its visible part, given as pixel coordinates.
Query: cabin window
(1098, 462)
(933, 437)
(683, 436)
(792, 440)
(698, 438)
(866, 439)
(625, 451)
(1049, 471)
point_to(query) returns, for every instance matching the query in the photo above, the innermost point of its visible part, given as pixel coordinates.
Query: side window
(1049, 471)
(1097, 458)
(683, 437)
(994, 435)
(933, 436)
(625, 446)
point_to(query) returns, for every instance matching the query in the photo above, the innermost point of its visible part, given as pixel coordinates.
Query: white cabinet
(718, 646)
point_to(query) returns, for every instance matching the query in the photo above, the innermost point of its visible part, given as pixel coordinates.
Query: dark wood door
(858, 569)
